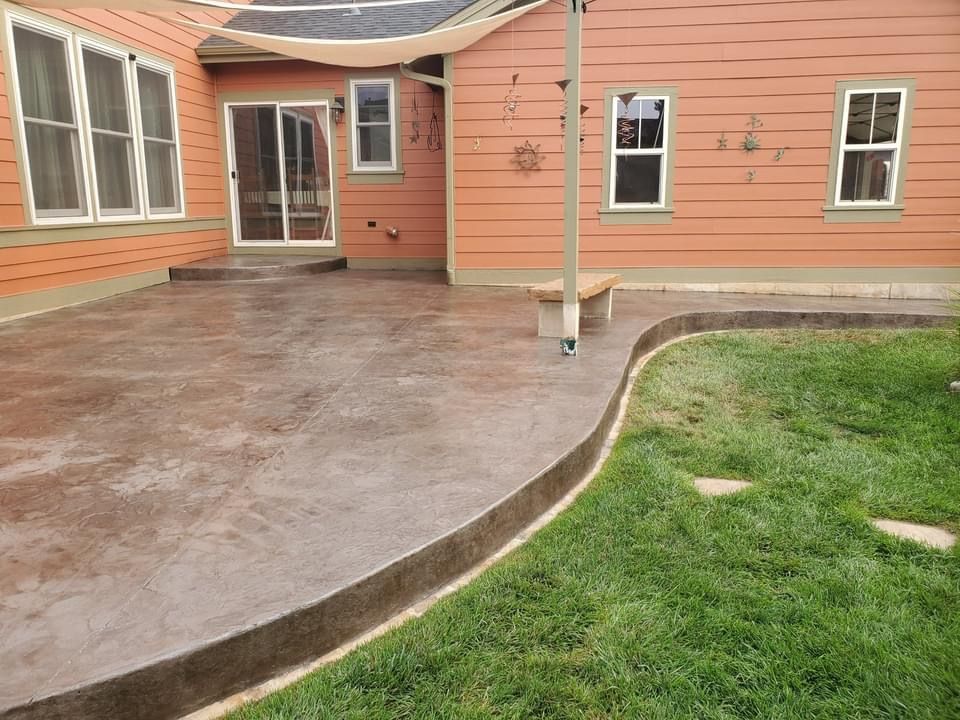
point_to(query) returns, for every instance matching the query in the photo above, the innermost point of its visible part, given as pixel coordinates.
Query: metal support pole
(571, 178)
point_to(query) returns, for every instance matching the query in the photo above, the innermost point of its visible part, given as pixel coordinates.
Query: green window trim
(868, 211)
(655, 214)
(373, 176)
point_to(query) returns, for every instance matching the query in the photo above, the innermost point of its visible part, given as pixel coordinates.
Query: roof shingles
(370, 24)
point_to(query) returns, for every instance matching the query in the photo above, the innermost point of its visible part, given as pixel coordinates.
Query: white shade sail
(345, 53)
(188, 5)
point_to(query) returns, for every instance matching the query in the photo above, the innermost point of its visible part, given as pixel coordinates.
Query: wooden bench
(594, 292)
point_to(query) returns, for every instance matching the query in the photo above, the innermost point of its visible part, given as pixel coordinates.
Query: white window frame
(661, 151)
(75, 43)
(163, 69)
(896, 147)
(29, 23)
(368, 166)
(279, 108)
(123, 56)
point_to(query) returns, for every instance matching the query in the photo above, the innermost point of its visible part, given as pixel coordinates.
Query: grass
(645, 600)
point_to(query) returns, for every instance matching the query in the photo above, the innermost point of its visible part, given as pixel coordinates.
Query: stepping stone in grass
(925, 534)
(718, 486)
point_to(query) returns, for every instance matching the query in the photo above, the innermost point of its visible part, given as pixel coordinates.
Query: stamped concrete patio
(203, 483)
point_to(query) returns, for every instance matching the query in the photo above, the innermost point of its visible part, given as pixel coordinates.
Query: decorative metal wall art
(527, 156)
(562, 84)
(722, 141)
(415, 125)
(751, 175)
(750, 143)
(511, 103)
(779, 155)
(583, 127)
(434, 143)
(755, 122)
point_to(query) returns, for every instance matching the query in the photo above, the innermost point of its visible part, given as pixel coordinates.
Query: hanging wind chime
(562, 84)
(583, 125)
(415, 125)
(511, 103)
(626, 132)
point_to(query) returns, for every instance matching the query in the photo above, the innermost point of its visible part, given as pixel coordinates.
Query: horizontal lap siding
(44, 266)
(779, 59)
(416, 206)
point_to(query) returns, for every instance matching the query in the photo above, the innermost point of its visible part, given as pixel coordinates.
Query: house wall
(415, 206)
(50, 260)
(779, 59)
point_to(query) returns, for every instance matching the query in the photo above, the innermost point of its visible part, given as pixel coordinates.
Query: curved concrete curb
(266, 270)
(179, 684)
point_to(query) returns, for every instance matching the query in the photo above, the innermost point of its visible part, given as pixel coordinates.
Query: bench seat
(594, 293)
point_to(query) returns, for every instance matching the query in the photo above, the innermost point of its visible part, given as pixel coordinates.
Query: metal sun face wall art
(527, 156)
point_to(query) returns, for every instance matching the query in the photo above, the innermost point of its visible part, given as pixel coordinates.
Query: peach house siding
(415, 206)
(779, 59)
(43, 266)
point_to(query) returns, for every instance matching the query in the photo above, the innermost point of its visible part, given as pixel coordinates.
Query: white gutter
(444, 82)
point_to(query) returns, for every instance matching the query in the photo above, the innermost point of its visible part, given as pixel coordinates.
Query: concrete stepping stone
(718, 486)
(926, 534)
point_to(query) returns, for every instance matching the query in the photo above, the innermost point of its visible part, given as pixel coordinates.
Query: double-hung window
(99, 127)
(51, 124)
(638, 144)
(372, 108)
(111, 131)
(869, 146)
(868, 156)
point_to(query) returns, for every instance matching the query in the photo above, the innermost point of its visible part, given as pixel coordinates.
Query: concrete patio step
(256, 267)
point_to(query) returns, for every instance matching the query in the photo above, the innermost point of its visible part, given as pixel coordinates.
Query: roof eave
(234, 53)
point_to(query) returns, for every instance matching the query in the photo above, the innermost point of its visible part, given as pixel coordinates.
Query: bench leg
(551, 319)
(599, 306)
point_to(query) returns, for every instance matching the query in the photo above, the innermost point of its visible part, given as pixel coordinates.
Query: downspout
(445, 83)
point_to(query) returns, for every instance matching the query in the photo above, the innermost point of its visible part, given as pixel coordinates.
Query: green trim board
(52, 234)
(654, 215)
(864, 212)
(694, 275)
(362, 176)
(253, 97)
(283, 250)
(401, 263)
(374, 178)
(16, 306)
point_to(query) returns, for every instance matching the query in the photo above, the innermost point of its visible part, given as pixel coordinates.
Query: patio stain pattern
(183, 464)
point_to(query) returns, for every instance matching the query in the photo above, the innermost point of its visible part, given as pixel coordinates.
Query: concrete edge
(179, 684)
(314, 266)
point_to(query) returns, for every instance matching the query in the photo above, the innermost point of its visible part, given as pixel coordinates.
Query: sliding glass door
(281, 170)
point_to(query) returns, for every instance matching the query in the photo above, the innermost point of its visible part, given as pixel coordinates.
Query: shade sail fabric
(188, 5)
(345, 53)
(370, 53)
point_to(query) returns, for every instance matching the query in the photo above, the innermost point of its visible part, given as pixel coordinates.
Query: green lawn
(645, 600)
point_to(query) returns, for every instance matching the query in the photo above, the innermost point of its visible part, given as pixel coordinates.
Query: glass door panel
(306, 154)
(256, 175)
